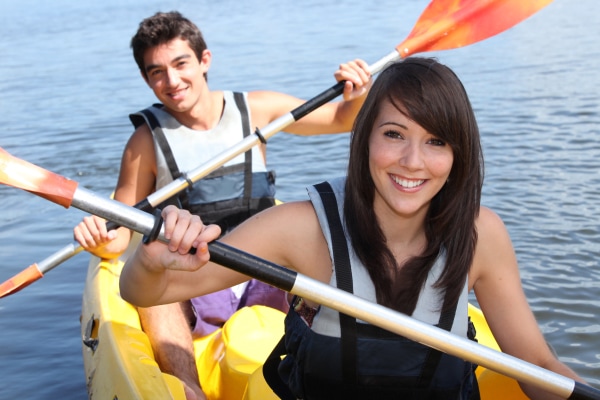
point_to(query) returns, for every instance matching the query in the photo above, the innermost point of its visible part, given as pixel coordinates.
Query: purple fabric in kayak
(212, 310)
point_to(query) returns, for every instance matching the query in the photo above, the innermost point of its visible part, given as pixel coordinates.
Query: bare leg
(169, 332)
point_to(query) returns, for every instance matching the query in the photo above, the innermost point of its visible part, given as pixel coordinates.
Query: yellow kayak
(119, 362)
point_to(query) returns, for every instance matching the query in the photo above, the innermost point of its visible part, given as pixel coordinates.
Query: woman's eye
(437, 142)
(393, 134)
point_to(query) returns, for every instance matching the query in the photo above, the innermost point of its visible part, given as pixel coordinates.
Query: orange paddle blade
(20, 281)
(448, 24)
(24, 175)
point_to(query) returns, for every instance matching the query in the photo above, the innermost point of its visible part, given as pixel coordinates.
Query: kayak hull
(118, 359)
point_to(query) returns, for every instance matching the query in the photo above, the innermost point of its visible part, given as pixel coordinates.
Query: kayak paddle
(66, 193)
(444, 25)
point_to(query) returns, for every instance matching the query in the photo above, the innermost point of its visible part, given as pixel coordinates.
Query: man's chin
(176, 107)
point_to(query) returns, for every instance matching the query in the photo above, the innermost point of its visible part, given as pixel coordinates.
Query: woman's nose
(412, 156)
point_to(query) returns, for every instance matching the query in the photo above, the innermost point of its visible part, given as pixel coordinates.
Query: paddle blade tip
(20, 281)
(29, 177)
(446, 25)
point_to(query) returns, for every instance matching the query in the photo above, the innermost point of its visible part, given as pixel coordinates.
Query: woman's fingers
(184, 231)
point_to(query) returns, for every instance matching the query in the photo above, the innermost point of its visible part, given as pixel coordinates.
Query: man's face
(176, 75)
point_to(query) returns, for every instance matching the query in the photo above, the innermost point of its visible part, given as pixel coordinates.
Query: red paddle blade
(24, 175)
(20, 281)
(448, 24)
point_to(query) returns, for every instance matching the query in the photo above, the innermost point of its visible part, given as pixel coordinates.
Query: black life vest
(366, 362)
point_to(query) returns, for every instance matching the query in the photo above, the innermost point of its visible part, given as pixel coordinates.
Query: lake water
(68, 82)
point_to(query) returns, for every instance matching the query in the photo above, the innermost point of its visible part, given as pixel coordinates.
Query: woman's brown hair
(432, 96)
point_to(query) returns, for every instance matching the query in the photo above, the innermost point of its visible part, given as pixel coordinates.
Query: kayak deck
(119, 362)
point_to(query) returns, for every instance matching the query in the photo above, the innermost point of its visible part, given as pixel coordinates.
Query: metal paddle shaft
(347, 303)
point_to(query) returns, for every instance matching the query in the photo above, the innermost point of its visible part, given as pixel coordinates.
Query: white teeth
(408, 184)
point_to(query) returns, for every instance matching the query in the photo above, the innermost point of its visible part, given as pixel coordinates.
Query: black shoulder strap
(343, 276)
(241, 105)
(161, 139)
(433, 356)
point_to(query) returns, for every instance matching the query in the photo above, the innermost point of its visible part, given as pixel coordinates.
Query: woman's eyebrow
(398, 124)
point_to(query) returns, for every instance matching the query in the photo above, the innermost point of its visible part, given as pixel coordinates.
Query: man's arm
(335, 117)
(136, 182)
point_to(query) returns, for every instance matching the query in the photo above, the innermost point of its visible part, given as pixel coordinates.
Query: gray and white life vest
(232, 193)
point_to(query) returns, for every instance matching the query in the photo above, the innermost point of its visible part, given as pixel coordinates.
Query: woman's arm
(495, 278)
(156, 269)
(288, 235)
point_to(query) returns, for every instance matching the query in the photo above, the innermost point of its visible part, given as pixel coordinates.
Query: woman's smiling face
(409, 165)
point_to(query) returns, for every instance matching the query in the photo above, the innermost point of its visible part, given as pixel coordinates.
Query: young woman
(413, 237)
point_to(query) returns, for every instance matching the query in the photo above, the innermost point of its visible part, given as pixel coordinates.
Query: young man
(190, 126)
